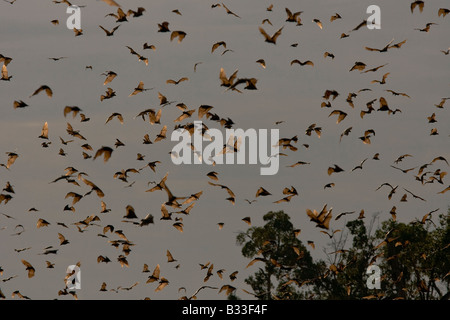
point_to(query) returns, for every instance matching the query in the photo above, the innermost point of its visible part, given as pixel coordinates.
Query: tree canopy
(413, 260)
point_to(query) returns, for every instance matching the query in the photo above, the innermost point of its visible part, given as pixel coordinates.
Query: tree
(285, 259)
(417, 261)
(344, 277)
(414, 262)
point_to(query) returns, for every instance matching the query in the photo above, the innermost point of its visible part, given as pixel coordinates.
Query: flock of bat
(424, 174)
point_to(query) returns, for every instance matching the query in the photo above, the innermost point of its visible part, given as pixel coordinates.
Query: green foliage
(418, 259)
(414, 259)
(285, 259)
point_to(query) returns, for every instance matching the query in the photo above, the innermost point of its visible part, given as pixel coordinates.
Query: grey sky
(289, 93)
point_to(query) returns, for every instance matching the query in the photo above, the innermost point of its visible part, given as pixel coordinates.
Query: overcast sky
(289, 93)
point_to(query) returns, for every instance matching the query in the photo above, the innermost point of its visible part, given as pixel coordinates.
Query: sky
(289, 93)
